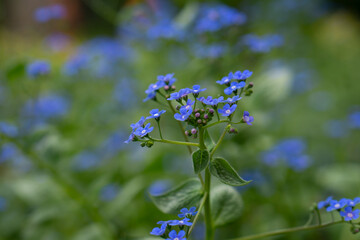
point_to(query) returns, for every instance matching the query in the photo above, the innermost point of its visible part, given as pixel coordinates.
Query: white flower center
(156, 115)
(155, 86)
(143, 131)
(337, 205)
(233, 87)
(227, 111)
(176, 239)
(350, 215)
(181, 222)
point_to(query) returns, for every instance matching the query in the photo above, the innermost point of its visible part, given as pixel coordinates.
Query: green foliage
(209, 142)
(200, 160)
(186, 194)
(226, 205)
(221, 169)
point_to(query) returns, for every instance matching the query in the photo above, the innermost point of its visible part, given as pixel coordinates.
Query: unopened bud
(193, 131)
(196, 110)
(199, 121)
(204, 122)
(251, 84)
(202, 110)
(197, 115)
(211, 111)
(206, 116)
(166, 88)
(142, 144)
(187, 133)
(233, 130)
(173, 87)
(149, 143)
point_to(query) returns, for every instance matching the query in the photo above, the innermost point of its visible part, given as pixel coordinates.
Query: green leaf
(221, 169)
(16, 70)
(200, 160)
(209, 142)
(187, 194)
(226, 205)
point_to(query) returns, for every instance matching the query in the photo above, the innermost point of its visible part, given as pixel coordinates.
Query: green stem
(286, 231)
(158, 123)
(220, 140)
(198, 213)
(67, 187)
(174, 142)
(318, 215)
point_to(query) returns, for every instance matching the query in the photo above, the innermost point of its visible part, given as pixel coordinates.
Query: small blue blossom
(185, 212)
(210, 101)
(263, 44)
(183, 115)
(183, 222)
(234, 87)
(46, 14)
(140, 123)
(242, 75)
(143, 131)
(350, 214)
(109, 192)
(159, 187)
(354, 119)
(167, 79)
(226, 80)
(8, 129)
(188, 105)
(150, 96)
(174, 236)
(335, 205)
(325, 203)
(158, 231)
(154, 87)
(196, 90)
(352, 202)
(247, 118)
(179, 95)
(155, 113)
(38, 68)
(232, 100)
(227, 110)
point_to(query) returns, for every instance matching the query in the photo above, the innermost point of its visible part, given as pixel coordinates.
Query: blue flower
(183, 222)
(158, 231)
(183, 115)
(109, 192)
(263, 44)
(135, 126)
(226, 80)
(352, 202)
(325, 203)
(196, 90)
(154, 87)
(167, 79)
(8, 129)
(188, 105)
(155, 113)
(227, 110)
(186, 213)
(354, 120)
(46, 14)
(350, 214)
(232, 100)
(143, 131)
(174, 236)
(242, 75)
(179, 95)
(234, 87)
(335, 205)
(38, 68)
(150, 96)
(210, 101)
(247, 118)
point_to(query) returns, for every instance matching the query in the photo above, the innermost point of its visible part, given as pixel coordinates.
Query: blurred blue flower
(109, 192)
(165, 29)
(354, 120)
(168, 78)
(324, 204)
(335, 205)
(321, 101)
(183, 115)
(86, 160)
(215, 17)
(242, 75)
(227, 110)
(232, 100)
(159, 187)
(38, 68)
(8, 152)
(247, 118)
(174, 236)
(212, 51)
(299, 163)
(45, 14)
(352, 202)
(187, 212)
(124, 93)
(143, 131)
(211, 101)
(179, 95)
(3, 204)
(182, 222)
(263, 44)
(350, 214)
(234, 86)
(155, 113)
(112, 145)
(76, 64)
(8, 129)
(336, 128)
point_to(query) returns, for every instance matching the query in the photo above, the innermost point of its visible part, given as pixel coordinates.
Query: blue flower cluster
(288, 151)
(45, 14)
(166, 226)
(263, 44)
(38, 68)
(345, 207)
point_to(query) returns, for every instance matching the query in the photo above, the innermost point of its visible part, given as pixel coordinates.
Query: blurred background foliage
(65, 172)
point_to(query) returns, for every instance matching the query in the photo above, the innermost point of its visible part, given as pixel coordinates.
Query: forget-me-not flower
(211, 101)
(187, 213)
(183, 222)
(234, 86)
(167, 79)
(183, 115)
(227, 110)
(196, 90)
(155, 113)
(226, 80)
(242, 75)
(325, 203)
(232, 100)
(335, 205)
(352, 202)
(158, 231)
(177, 236)
(179, 95)
(143, 131)
(350, 214)
(247, 118)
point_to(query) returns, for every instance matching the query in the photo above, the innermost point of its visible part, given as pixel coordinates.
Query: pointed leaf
(209, 142)
(187, 194)
(226, 205)
(221, 169)
(200, 160)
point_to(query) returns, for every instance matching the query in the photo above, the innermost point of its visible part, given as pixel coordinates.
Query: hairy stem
(197, 214)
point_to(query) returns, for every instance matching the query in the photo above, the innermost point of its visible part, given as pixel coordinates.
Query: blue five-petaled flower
(158, 231)
(325, 203)
(196, 90)
(183, 115)
(187, 213)
(336, 205)
(179, 95)
(234, 86)
(183, 222)
(350, 214)
(242, 75)
(167, 79)
(143, 131)
(227, 110)
(247, 118)
(155, 113)
(177, 236)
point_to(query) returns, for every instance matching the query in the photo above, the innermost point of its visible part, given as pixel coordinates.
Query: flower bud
(173, 87)
(142, 144)
(251, 84)
(199, 121)
(211, 111)
(197, 115)
(196, 110)
(206, 116)
(233, 130)
(178, 107)
(187, 133)
(193, 131)
(204, 122)
(202, 110)
(166, 88)
(149, 143)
